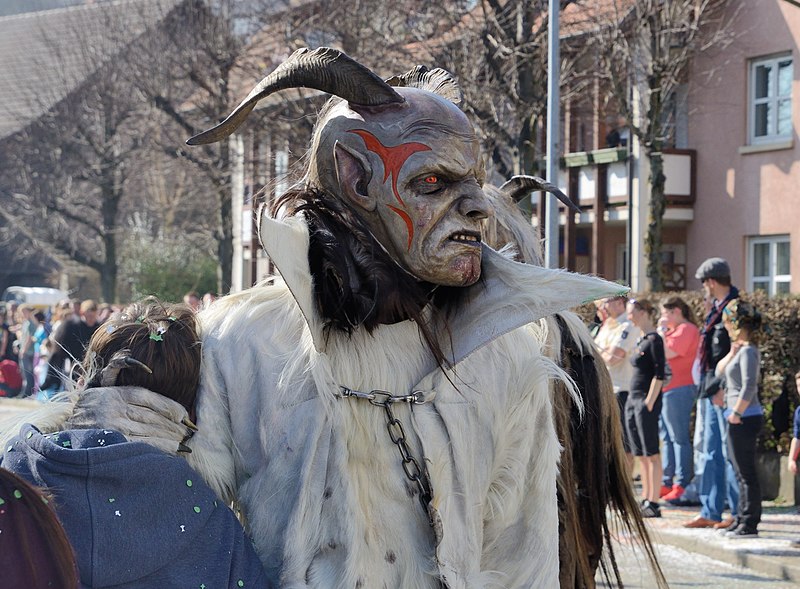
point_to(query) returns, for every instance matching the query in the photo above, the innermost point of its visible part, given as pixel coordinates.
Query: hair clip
(111, 328)
(173, 319)
(156, 337)
(140, 319)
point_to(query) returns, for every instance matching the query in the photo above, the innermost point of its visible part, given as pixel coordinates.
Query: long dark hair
(163, 337)
(34, 549)
(356, 283)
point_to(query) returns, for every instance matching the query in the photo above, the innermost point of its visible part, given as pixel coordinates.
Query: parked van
(38, 297)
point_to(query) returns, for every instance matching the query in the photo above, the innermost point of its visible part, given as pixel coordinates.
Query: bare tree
(499, 52)
(644, 49)
(81, 172)
(68, 169)
(185, 78)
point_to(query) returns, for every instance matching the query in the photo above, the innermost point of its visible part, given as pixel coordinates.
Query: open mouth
(466, 237)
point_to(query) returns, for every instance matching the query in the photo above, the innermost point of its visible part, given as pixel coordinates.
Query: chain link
(397, 435)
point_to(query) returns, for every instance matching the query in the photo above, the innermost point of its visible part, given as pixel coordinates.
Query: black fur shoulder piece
(356, 283)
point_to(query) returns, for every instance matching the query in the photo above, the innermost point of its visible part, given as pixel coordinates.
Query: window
(770, 104)
(281, 171)
(769, 264)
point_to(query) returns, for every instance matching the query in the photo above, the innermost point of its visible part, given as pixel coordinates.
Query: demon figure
(382, 412)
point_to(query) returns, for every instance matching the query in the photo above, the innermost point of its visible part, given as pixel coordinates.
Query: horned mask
(400, 153)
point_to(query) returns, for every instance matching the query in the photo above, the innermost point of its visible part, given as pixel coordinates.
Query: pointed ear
(353, 174)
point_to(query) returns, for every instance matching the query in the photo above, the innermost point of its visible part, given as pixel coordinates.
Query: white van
(37, 296)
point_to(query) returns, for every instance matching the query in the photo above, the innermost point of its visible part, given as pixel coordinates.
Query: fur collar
(509, 294)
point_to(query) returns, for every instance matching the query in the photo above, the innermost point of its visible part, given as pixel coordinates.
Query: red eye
(431, 179)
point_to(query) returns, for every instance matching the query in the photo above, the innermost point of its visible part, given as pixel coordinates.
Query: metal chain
(411, 467)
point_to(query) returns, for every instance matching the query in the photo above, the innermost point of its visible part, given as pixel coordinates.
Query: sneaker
(675, 494)
(651, 509)
(742, 532)
(665, 490)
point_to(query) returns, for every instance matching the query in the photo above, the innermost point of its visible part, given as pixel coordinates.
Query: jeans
(692, 493)
(674, 429)
(28, 378)
(742, 450)
(719, 479)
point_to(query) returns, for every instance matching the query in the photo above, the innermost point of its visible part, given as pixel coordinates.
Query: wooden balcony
(600, 183)
(604, 174)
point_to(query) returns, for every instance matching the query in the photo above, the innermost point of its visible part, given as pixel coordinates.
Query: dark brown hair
(163, 337)
(644, 305)
(674, 302)
(36, 551)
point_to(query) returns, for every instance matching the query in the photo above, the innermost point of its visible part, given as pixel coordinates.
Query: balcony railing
(604, 173)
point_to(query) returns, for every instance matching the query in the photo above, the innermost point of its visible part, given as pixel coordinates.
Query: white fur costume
(319, 481)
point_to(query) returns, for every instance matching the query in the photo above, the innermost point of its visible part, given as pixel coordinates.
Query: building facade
(732, 170)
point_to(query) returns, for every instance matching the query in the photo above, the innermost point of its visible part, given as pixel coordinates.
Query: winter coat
(136, 517)
(320, 482)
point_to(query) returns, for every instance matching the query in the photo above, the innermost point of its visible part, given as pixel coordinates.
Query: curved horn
(437, 80)
(324, 69)
(520, 186)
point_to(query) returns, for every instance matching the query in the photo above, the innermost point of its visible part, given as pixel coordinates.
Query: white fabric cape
(318, 480)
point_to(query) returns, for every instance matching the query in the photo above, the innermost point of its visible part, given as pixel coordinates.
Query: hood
(128, 509)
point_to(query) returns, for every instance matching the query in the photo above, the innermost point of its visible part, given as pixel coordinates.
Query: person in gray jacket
(743, 411)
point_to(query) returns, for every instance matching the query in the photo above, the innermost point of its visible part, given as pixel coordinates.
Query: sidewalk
(769, 554)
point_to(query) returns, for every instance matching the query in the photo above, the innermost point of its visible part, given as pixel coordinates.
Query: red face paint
(393, 159)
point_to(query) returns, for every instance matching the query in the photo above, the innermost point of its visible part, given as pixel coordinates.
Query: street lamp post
(553, 135)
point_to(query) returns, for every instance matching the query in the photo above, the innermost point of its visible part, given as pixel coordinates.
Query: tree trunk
(658, 204)
(225, 243)
(108, 276)
(224, 232)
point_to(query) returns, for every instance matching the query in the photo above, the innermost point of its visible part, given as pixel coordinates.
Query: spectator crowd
(41, 348)
(665, 367)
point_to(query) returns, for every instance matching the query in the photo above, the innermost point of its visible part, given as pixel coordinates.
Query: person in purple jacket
(136, 516)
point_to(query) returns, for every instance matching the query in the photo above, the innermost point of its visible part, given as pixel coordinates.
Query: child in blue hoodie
(136, 516)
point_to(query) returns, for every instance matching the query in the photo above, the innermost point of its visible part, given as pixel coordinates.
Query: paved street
(686, 569)
(11, 407)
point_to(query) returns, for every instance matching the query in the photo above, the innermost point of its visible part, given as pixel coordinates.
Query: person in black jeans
(743, 411)
(643, 407)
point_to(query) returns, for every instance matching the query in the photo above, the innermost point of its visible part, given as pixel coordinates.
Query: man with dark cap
(717, 479)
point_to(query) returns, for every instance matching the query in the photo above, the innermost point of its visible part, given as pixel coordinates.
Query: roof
(578, 18)
(583, 16)
(46, 55)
